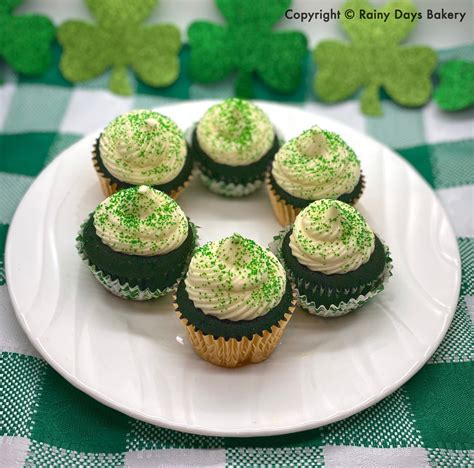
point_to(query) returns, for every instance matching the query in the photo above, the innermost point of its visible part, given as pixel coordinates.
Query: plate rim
(248, 432)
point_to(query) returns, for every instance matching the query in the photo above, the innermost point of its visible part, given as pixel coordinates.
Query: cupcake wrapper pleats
(229, 189)
(236, 352)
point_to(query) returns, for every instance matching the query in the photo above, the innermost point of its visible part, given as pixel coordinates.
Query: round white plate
(135, 357)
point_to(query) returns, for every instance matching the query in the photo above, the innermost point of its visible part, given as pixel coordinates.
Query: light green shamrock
(118, 41)
(374, 59)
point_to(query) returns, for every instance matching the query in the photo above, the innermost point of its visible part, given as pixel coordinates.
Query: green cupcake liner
(229, 189)
(122, 288)
(334, 310)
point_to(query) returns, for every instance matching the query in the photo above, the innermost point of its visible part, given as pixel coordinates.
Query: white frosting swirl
(235, 279)
(317, 164)
(235, 132)
(141, 221)
(331, 237)
(143, 147)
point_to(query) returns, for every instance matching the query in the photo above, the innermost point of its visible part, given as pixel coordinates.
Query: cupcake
(137, 243)
(142, 147)
(333, 257)
(235, 302)
(233, 144)
(315, 165)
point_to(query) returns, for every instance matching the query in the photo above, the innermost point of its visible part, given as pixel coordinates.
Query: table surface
(47, 421)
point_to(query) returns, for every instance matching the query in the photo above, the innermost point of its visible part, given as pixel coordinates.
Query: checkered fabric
(45, 421)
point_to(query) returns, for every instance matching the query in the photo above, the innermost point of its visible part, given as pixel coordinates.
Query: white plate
(135, 356)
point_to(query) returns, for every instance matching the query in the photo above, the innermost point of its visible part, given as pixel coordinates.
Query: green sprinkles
(235, 127)
(321, 164)
(145, 143)
(330, 228)
(234, 118)
(322, 159)
(140, 220)
(233, 265)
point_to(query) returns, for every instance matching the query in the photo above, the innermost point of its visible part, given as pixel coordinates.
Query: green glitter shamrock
(118, 41)
(456, 89)
(25, 41)
(247, 45)
(374, 59)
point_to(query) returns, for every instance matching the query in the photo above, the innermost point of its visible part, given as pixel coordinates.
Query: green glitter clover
(118, 41)
(247, 45)
(374, 59)
(25, 41)
(456, 89)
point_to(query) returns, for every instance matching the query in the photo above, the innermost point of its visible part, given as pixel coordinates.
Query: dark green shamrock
(247, 45)
(374, 59)
(456, 89)
(25, 41)
(118, 41)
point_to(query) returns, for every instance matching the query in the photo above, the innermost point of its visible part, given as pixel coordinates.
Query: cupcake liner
(109, 187)
(229, 189)
(285, 212)
(235, 352)
(122, 288)
(344, 307)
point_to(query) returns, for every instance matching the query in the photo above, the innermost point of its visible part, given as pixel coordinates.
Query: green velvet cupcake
(333, 257)
(137, 243)
(233, 145)
(143, 147)
(315, 165)
(235, 302)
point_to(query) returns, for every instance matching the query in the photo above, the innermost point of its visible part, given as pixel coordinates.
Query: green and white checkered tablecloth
(46, 421)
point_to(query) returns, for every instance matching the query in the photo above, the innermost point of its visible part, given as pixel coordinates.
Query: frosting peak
(141, 221)
(143, 147)
(235, 132)
(317, 164)
(312, 143)
(151, 122)
(330, 228)
(235, 279)
(331, 237)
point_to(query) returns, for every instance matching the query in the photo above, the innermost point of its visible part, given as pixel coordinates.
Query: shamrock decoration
(456, 90)
(25, 41)
(247, 45)
(375, 59)
(119, 40)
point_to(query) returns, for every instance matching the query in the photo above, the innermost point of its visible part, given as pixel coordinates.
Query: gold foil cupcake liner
(334, 310)
(109, 187)
(233, 352)
(286, 213)
(122, 288)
